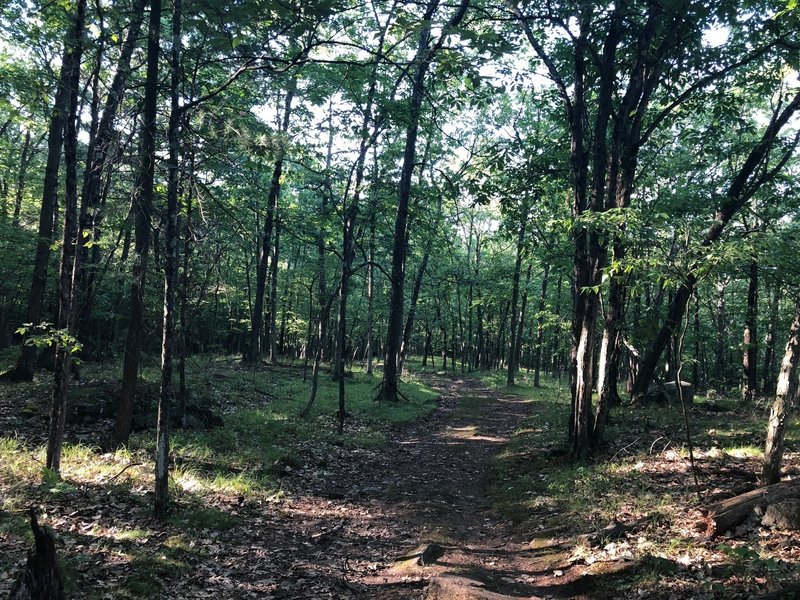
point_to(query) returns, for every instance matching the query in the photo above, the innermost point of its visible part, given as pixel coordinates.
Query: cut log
(721, 516)
(40, 579)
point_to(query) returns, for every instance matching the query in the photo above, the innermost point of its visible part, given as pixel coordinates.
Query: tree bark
(141, 208)
(70, 258)
(23, 369)
(720, 365)
(750, 341)
(537, 352)
(273, 295)
(253, 355)
(422, 61)
(99, 157)
(767, 384)
(161, 498)
(742, 188)
(24, 162)
(512, 351)
(782, 405)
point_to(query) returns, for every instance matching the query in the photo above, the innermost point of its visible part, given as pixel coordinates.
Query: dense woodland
(604, 193)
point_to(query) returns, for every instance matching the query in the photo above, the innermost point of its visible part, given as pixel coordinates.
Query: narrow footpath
(411, 520)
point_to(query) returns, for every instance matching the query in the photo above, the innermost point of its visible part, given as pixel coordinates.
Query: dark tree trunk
(141, 208)
(782, 406)
(720, 348)
(421, 63)
(273, 295)
(515, 317)
(70, 257)
(23, 369)
(24, 161)
(767, 383)
(750, 341)
(161, 499)
(41, 578)
(537, 351)
(253, 355)
(740, 191)
(369, 350)
(412, 309)
(99, 157)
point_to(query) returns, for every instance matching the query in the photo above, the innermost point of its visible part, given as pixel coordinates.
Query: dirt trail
(420, 497)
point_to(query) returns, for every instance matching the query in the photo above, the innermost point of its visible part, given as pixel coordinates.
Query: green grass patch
(205, 518)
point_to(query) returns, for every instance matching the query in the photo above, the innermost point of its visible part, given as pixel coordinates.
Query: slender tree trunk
(421, 63)
(738, 194)
(161, 500)
(23, 369)
(254, 351)
(782, 406)
(24, 161)
(273, 296)
(697, 343)
(537, 356)
(750, 341)
(99, 156)
(720, 348)
(369, 351)
(767, 384)
(141, 207)
(185, 284)
(512, 351)
(69, 264)
(521, 321)
(480, 351)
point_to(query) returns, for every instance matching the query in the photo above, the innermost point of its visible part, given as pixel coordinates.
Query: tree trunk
(253, 355)
(161, 499)
(767, 384)
(421, 63)
(70, 258)
(721, 346)
(537, 352)
(24, 161)
(724, 515)
(99, 156)
(369, 351)
(141, 208)
(512, 351)
(737, 195)
(782, 406)
(750, 341)
(273, 295)
(23, 369)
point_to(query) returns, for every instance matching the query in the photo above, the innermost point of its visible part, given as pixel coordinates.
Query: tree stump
(40, 579)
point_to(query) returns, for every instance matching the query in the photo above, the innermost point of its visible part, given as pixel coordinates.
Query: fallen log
(721, 516)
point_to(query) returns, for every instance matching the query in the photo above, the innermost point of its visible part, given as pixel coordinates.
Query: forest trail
(359, 523)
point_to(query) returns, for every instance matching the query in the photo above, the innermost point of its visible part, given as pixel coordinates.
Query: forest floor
(469, 497)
